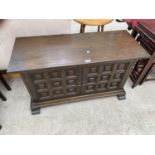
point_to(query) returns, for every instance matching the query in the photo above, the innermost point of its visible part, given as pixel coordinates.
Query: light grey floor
(135, 115)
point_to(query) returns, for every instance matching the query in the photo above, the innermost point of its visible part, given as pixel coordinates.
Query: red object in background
(131, 22)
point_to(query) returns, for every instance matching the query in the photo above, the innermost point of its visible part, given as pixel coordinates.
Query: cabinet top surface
(30, 53)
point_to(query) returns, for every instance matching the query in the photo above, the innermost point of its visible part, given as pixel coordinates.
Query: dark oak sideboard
(67, 68)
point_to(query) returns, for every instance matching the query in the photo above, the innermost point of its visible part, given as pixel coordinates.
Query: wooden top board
(31, 53)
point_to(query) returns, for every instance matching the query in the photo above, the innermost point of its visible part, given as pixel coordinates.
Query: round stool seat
(93, 22)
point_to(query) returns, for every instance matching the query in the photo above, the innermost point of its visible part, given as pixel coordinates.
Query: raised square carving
(55, 74)
(71, 89)
(43, 94)
(70, 72)
(105, 77)
(102, 85)
(57, 92)
(117, 76)
(41, 85)
(114, 85)
(57, 84)
(107, 67)
(93, 70)
(38, 76)
(91, 87)
(71, 82)
(121, 67)
(92, 79)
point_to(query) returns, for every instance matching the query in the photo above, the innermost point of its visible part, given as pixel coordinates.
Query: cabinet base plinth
(121, 97)
(35, 111)
(35, 106)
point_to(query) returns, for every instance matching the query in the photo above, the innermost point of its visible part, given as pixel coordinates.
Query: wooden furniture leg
(4, 82)
(138, 38)
(122, 95)
(98, 30)
(102, 28)
(35, 111)
(82, 28)
(2, 96)
(145, 71)
(134, 33)
(145, 77)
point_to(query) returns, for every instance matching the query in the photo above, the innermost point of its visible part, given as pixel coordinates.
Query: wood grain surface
(31, 53)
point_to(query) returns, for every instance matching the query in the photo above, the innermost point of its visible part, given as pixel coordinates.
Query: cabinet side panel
(29, 85)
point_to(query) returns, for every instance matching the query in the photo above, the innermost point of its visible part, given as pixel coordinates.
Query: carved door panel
(91, 74)
(104, 77)
(55, 83)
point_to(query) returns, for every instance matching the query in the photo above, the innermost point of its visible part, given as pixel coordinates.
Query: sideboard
(73, 67)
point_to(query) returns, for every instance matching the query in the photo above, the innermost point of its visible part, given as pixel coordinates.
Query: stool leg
(2, 96)
(98, 30)
(102, 28)
(4, 82)
(82, 28)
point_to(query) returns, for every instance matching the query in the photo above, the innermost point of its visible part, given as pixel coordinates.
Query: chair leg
(4, 82)
(0, 127)
(138, 38)
(145, 77)
(2, 96)
(134, 33)
(129, 27)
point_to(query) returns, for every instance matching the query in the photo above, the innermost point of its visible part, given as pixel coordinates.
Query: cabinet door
(104, 76)
(54, 83)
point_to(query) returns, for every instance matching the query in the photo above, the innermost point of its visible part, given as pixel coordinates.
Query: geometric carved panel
(57, 83)
(103, 77)
(73, 81)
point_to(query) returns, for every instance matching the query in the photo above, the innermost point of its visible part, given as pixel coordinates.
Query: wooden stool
(93, 22)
